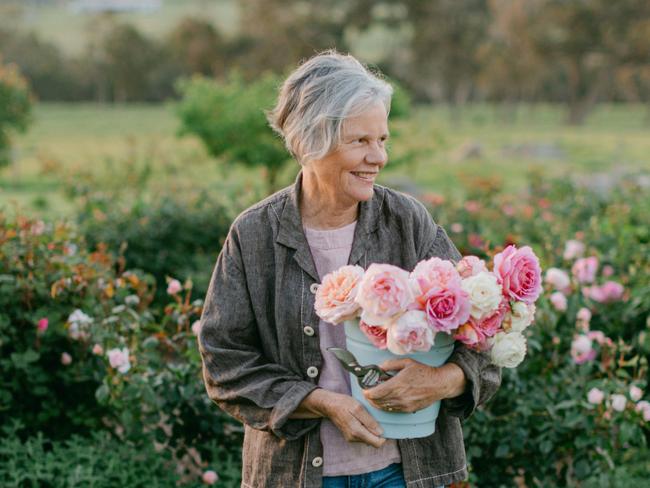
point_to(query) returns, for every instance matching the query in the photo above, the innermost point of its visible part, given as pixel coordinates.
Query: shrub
(15, 107)
(229, 120)
(170, 236)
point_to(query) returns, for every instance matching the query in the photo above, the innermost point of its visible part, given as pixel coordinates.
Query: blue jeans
(389, 477)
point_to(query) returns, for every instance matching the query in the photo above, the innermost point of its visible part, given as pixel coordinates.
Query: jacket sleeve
(483, 378)
(237, 375)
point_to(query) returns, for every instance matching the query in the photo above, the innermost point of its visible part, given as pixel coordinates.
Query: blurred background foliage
(133, 132)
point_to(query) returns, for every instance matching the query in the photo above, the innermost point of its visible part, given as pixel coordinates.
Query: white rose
(508, 349)
(618, 402)
(558, 279)
(520, 316)
(484, 294)
(635, 393)
(119, 359)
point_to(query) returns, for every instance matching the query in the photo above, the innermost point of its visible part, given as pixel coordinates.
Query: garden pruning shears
(367, 376)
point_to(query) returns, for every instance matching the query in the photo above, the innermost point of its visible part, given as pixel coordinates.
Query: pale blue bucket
(397, 425)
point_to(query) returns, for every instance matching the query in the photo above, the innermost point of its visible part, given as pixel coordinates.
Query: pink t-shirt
(331, 250)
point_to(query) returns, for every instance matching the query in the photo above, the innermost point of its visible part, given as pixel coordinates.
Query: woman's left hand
(415, 386)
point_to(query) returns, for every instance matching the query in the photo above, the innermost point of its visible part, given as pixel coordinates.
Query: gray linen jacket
(261, 358)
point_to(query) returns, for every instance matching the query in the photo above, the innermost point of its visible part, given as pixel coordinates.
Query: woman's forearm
(313, 405)
(457, 380)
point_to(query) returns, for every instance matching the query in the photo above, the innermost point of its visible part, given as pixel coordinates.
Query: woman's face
(351, 169)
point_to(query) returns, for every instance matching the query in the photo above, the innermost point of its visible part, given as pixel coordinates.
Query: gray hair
(318, 96)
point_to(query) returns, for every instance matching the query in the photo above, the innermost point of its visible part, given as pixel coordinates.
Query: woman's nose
(377, 154)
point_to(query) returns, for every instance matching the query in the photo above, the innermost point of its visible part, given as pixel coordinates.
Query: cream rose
(508, 349)
(484, 294)
(521, 315)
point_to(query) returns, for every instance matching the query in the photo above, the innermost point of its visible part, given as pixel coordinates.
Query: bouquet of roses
(403, 312)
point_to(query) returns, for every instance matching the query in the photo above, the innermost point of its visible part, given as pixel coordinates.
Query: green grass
(110, 147)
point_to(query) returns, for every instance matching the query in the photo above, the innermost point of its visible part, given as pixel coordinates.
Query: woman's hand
(350, 416)
(416, 386)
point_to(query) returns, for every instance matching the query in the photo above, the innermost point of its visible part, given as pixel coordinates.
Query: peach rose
(384, 292)
(335, 297)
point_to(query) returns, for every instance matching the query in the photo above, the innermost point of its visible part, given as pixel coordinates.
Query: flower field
(98, 325)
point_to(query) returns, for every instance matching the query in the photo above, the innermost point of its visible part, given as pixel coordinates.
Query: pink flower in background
(508, 209)
(42, 325)
(376, 334)
(558, 279)
(470, 266)
(335, 298)
(196, 327)
(66, 359)
(635, 393)
(470, 335)
(385, 290)
(435, 273)
(445, 308)
(573, 249)
(519, 273)
(119, 359)
(174, 287)
(608, 271)
(558, 300)
(410, 333)
(472, 206)
(475, 240)
(98, 350)
(457, 228)
(606, 293)
(595, 396)
(618, 402)
(581, 349)
(210, 477)
(643, 407)
(584, 269)
(584, 315)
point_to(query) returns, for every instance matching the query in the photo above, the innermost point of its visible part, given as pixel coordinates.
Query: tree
(229, 119)
(197, 47)
(15, 107)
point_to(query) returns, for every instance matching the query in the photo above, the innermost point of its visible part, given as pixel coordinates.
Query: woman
(264, 350)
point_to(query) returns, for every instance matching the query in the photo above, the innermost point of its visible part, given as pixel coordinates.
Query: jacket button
(308, 330)
(312, 371)
(317, 462)
(314, 288)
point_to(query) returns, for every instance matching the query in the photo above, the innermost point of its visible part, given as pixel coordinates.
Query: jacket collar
(292, 235)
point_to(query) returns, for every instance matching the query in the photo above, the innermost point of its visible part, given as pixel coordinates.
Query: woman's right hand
(352, 419)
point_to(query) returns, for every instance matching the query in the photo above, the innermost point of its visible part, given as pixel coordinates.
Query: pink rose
(573, 249)
(210, 477)
(584, 315)
(599, 337)
(519, 273)
(470, 335)
(558, 279)
(470, 266)
(42, 325)
(489, 326)
(435, 273)
(584, 269)
(635, 393)
(445, 308)
(595, 396)
(606, 293)
(643, 407)
(385, 291)
(581, 350)
(66, 359)
(410, 333)
(376, 334)
(608, 271)
(174, 287)
(119, 359)
(196, 327)
(98, 350)
(335, 298)
(558, 300)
